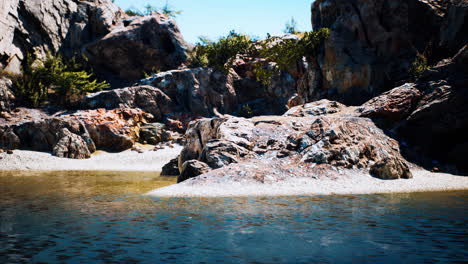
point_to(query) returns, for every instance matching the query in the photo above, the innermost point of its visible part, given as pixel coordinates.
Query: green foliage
(221, 54)
(246, 111)
(65, 82)
(290, 27)
(149, 9)
(419, 65)
(285, 53)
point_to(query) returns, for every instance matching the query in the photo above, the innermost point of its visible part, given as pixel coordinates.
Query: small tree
(65, 81)
(168, 11)
(291, 27)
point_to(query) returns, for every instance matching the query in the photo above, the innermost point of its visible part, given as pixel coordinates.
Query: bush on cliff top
(63, 81)
(283, 52)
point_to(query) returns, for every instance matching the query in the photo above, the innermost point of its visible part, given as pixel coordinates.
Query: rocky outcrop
(77, 134)
(150, 99)
(295, 144)
(6, 95)
(119, 49)
(46, 26)
(143, 45)
(430, 115)
(372, 44)
(453, 31)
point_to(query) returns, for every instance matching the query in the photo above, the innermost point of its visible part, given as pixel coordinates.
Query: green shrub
(291, 27)
(65, 82)
(221, 54)
(285, 53)
(418, 66)
(246, 111)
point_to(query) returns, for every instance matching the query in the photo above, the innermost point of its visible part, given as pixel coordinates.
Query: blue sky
(215, 18)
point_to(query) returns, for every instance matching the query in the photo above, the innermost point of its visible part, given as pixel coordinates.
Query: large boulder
(143, 45)
(49, 26)
(71, 146)
(303, 142)
(373, 43)
(453, 31)
(191, 169)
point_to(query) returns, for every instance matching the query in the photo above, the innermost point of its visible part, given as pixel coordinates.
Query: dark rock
(191, 169)
(394, 105)
(391, 169)
(147, 98)
(146, 44)
(171, 168)
(71, 146)
(453, 31)
(373, 43)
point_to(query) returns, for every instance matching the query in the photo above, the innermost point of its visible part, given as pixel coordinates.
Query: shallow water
(90, 217)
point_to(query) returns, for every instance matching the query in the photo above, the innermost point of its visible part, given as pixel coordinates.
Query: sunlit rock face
(373, 43)
(118, 47)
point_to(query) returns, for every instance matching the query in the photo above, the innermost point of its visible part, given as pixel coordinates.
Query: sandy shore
(423, 181)
(100, 161)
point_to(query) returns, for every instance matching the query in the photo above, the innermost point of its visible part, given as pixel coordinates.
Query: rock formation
(118, 47)
(64, 135)
(373, 43)
(431, 114)
(304, 141)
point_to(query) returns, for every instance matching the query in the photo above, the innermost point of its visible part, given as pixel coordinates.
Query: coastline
(359, 183)
(148, 161)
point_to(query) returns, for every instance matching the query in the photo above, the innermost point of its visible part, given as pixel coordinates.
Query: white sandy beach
(101, 161)
(423, 181)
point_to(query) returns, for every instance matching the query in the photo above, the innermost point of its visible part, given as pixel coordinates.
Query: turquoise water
(103, 218)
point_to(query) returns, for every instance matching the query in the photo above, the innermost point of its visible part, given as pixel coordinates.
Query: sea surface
(102, 217)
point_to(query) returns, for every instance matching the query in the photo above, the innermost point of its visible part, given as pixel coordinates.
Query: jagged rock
(146, 44)
(171, 168)
(50, 26)
(149, 99)
(155, 133)
(438, 125)
(71, 146)
(373, 43)
(191, 169)
(114, 130)
(307, 143)
(6, 95)
(394, 105)
(391, 169)
(197, 91)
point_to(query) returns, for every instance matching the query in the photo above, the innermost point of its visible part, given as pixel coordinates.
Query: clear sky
(215, 18)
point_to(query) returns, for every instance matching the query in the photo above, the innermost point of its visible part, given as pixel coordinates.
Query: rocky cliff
(73, 27)
(374, 43)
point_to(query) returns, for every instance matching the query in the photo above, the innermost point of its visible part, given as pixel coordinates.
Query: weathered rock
(191, 169)
(46, 26)
(114, 130)
(197, 91)
(391, 169)
(373, 43)
(6, 95)
(438, 125)
(171, 168)
(146, 44)
(149, 99)
(394, 105)
(71, 146)
(308, 140)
